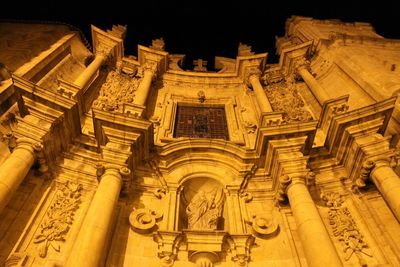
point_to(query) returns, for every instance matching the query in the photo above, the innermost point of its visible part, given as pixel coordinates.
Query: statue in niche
(205, 209)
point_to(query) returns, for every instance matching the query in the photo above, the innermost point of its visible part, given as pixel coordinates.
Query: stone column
(143, 89)
(91, 242)
(388, 184)
(254, 80)
(314, 237)
(15, 168)
(317, 90)
(88, 73)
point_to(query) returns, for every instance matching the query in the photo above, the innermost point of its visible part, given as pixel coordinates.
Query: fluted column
(143, 89)
(254, 80)
(317, 245)
(90, 71)
(317, 90)
(388, 184)
(89, 247)
(15, 168)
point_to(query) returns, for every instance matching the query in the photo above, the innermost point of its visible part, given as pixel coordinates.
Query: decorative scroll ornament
(159, 193)
(246, 196)
(263, 227)
(367, 167)
(59, 218)
(284, 182)
(144, 221)
(345, 228)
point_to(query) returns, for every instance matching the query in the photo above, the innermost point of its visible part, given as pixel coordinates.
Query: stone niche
(202, 205)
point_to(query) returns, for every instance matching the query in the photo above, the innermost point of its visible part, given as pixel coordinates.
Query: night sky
(204, 29)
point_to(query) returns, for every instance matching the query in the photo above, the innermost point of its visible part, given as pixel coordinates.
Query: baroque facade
(109, 159)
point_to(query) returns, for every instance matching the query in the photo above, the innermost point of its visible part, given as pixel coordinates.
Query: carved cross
(200, 65)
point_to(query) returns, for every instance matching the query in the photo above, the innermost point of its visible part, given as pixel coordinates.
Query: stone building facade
(108, 159)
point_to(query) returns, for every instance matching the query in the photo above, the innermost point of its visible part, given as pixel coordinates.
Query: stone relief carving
(205, 209)
(284, 97)
(118, 89)
(59, 218)
(144, 221)
(345, 228)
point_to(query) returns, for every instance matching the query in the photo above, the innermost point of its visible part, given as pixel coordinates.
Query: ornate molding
(10, 139)
(345, 228)
(144, 221)
(59, 218)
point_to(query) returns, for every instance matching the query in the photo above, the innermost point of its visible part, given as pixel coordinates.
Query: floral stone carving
(144, 221)
(345, 228)
(118, 89)
(59, 218)
(284, 97)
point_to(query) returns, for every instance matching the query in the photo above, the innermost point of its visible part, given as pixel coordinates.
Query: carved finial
(158, 44)
(244, 50)
(200, 65)
(366, 169)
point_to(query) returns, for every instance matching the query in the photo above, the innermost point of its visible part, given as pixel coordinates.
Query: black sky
(204, 29)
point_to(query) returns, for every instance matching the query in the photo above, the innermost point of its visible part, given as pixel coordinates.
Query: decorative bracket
(168, 244)
(367, 167)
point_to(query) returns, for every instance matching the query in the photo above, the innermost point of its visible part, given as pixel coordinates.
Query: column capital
(301, 63)
(252, 73)
(150, 66)
(115, 169)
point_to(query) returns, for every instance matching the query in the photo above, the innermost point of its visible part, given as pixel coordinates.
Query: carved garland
(59, 218)
(345, 228)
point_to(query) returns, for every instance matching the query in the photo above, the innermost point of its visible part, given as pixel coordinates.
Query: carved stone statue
(205, 209)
